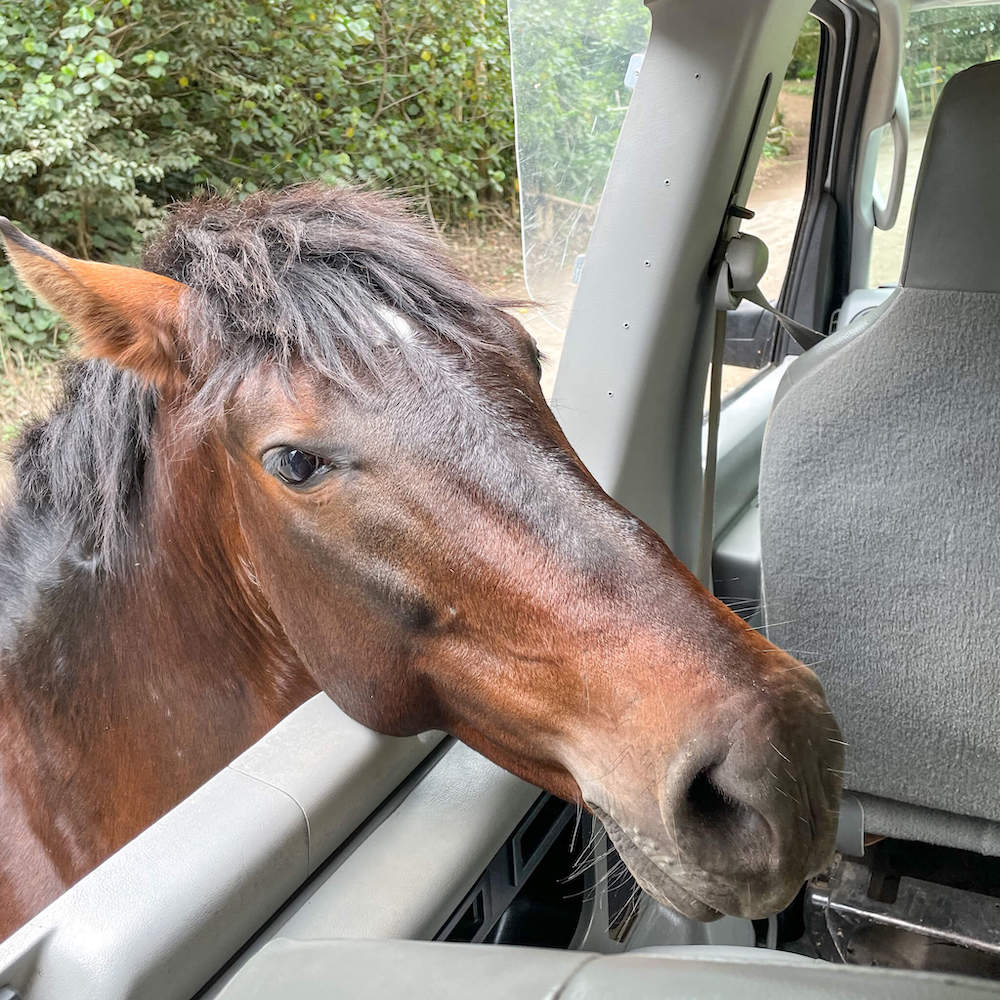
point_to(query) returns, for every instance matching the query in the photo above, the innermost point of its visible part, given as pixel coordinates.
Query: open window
(776, 200)
(939, 41)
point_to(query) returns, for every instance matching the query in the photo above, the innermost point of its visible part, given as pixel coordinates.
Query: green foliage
(805, 55)
(108, 111)
(942, 42)
(570, 60)
(778, 140)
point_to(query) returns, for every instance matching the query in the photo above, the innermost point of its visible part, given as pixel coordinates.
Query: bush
(570, 63)
(108, 112)
(941, 43)
(575, 54)
(805, 55)
(778, 140)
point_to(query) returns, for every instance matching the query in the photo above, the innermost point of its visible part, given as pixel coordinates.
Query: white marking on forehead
(399, 324)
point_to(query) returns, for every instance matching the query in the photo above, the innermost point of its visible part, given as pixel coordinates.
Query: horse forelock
(313, 273)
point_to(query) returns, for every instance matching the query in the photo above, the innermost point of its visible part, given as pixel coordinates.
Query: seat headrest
(954, 239)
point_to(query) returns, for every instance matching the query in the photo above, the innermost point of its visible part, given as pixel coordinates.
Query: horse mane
(310, 273)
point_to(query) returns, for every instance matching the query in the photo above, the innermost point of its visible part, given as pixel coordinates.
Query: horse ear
(128, 316)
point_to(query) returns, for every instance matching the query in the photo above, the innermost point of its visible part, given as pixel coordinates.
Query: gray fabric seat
(880, 504)
(415, 970)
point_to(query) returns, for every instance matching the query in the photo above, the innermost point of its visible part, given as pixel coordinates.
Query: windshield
(575, 63)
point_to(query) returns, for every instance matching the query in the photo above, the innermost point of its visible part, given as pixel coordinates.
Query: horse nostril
(706, 799)
(715, 820)
(749, 807)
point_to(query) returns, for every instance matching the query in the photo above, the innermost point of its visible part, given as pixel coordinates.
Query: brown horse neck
(123, 690)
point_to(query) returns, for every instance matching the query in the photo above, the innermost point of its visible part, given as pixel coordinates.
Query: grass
(801, 88)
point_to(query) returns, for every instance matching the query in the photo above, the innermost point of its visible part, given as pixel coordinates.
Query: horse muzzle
(745, 812)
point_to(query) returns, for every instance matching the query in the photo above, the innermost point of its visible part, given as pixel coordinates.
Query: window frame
(819, 268)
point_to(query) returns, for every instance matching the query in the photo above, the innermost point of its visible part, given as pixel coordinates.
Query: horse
(302, 453)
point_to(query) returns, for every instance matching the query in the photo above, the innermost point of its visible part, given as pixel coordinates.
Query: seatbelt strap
(804, 336)
(738, 278)
(712, 450)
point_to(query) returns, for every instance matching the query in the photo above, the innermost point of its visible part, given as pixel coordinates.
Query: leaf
(42, 321)
(72, 32)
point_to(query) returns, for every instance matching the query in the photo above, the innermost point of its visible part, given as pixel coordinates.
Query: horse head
(436, 552)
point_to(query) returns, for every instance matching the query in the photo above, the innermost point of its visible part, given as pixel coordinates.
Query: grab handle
(886, 209)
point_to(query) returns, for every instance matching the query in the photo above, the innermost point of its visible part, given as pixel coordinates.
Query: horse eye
(293, 466)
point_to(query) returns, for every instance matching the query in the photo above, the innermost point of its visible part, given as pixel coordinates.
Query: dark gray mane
(305, 273)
